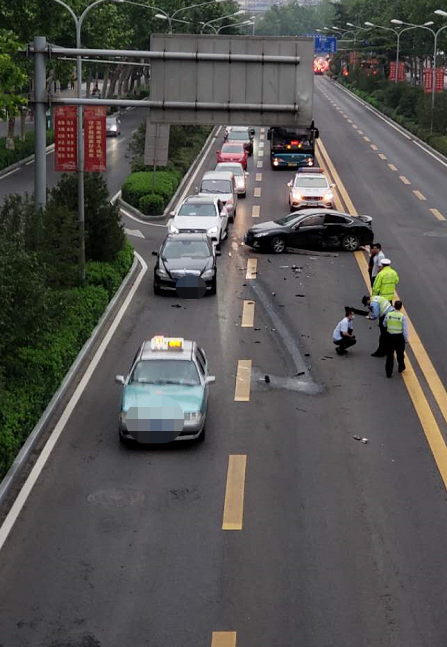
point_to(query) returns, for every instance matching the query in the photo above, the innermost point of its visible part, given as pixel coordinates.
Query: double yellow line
(428, 422)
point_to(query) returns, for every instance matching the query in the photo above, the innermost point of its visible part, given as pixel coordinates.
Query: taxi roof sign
(159, 342)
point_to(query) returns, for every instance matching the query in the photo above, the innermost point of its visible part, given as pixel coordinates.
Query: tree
(12, 80)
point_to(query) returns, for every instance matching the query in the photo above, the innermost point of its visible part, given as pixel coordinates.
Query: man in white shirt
(343, 335)
(378, 255)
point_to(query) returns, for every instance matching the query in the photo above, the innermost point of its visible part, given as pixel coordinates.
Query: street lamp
(170, 18)
(398, 32)
(81, 213)
(206, 24)
(438, 12)
(237, 24)
(162, 16)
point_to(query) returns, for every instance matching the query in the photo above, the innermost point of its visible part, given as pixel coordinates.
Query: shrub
(124, 260)
(439, 143)
(142, 183)
(22, 149)
(151, 204)
(104, 275)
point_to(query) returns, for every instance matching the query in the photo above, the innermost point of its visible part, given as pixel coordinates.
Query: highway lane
(409, 232)
(118, 161)
(340, 541)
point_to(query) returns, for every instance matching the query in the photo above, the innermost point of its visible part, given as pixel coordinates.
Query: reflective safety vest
(394, 323)
(385, 283)
(384, 304)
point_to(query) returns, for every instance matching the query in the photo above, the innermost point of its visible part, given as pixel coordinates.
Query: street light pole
(236, 24)
(398, 32)
(439, 12)
(80, 111)
(170, 18)
(206, 24)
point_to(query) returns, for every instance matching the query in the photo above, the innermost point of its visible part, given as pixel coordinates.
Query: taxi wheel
(277, 245)
(350, 243)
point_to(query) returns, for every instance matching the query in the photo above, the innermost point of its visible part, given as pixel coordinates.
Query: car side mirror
(247, 173)
(210, 379)
(289, 183)
(172, 214)
(333, 186)
(218, 153)
(154, 253)
(119, 379)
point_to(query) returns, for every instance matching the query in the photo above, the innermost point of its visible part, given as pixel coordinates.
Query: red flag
(65, 138)
(95, 138)
(392, 75)
(401, 71)
(439, 83)
(428, 80)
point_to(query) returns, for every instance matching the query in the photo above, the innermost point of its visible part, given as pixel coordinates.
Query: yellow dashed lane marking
(257, 193)
(234, 495)
(223, 639)
(262, 130)
(404, 179)
(258, 177)
(374, 147)
(243, 377)
(392, 167)
(261, 144)
(382, 156)
(255, 210)
(437, 214)
(354, 126)
(248, 314)
(367, 139)
(360, 132)
(349, 121)
(261, 136)
(259, 163)
(419, 195)
(251, 268)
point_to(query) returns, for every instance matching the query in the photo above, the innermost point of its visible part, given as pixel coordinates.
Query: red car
(233, 152)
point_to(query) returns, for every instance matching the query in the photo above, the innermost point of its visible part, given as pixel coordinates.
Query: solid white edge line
(142, 222)
(205, 154)
(429, 153)
(10, 173)
(26, 489)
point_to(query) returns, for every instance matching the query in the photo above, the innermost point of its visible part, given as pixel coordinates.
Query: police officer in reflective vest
(397, 335)
(378, 308)
(386, 281)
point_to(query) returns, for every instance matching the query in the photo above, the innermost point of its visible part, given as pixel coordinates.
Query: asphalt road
(342, 544)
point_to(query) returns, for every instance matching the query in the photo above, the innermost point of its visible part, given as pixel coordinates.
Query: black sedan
(185, 255)
(314, 229)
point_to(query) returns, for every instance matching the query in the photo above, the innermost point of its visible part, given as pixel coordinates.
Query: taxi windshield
(310, 182)
(190, 248)
(165, 371)
(216, 186)
(191, 209)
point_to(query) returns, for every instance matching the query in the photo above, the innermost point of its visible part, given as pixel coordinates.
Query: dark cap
(365, 300)
(348, 310)
(398, 305)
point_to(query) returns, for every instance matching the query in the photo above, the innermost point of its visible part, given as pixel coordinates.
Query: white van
(222, 184)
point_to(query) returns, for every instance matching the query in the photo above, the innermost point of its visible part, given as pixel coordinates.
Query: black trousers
(395, 344)
(346, 342)
(382, 348)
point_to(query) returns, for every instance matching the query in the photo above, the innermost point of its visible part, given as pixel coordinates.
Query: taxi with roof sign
(172, 367)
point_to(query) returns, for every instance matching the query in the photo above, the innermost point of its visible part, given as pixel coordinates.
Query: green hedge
(151, 204)
(22, 149)
(41, 369)
(141, 183)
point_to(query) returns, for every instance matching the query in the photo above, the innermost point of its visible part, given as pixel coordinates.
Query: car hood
(317, 191)
(199, 223)
(263, 227)
(187, 265)
(188, 397)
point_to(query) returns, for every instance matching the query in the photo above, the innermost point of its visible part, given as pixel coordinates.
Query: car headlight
(240, 182)
(328, 196)
(275, 162)
(161, 272)
(212, 231)
(261, 233)
(208, 274)
(297, 195)
(113, 127)
(193, 416)
(173, 230)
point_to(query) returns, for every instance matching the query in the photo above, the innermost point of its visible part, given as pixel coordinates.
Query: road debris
(283, 267)
(300, 373)
(300, 295)
(176, 305)
(299, 409)
(273, 294)
(362, 440)
(267, 379)
(306, 354)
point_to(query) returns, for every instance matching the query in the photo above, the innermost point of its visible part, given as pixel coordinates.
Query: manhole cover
(435, 234)
(117, 498)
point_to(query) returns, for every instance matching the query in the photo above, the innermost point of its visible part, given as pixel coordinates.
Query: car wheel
(213, 289)
(277, 245)
(243, 195)
(157, 289)
(201, 438)
(350, 243)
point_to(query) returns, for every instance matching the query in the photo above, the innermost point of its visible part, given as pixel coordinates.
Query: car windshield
(165, 371)
(232, 148)
(238, 135)
(191, 209)
(190, 248)
(286, 220)
(310, 182)
(110, 121)
(234, 168)
(216, 186)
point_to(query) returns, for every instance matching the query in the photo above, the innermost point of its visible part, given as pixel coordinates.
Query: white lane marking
(260, 153)
(142, 222)
(30, 162)
(10, 173)
(258, 177)
(24, 493)
(255, 211)
(133, 232)
(115, 197)
(261, 136)
(430, 153)
(262, 130)
(257, 192)
(259, 163)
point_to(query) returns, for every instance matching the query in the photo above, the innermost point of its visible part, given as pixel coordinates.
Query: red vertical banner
(65, 138)
(95, 138)
(439, 83)
(392, 75)
(401, 71)
(428, 80)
